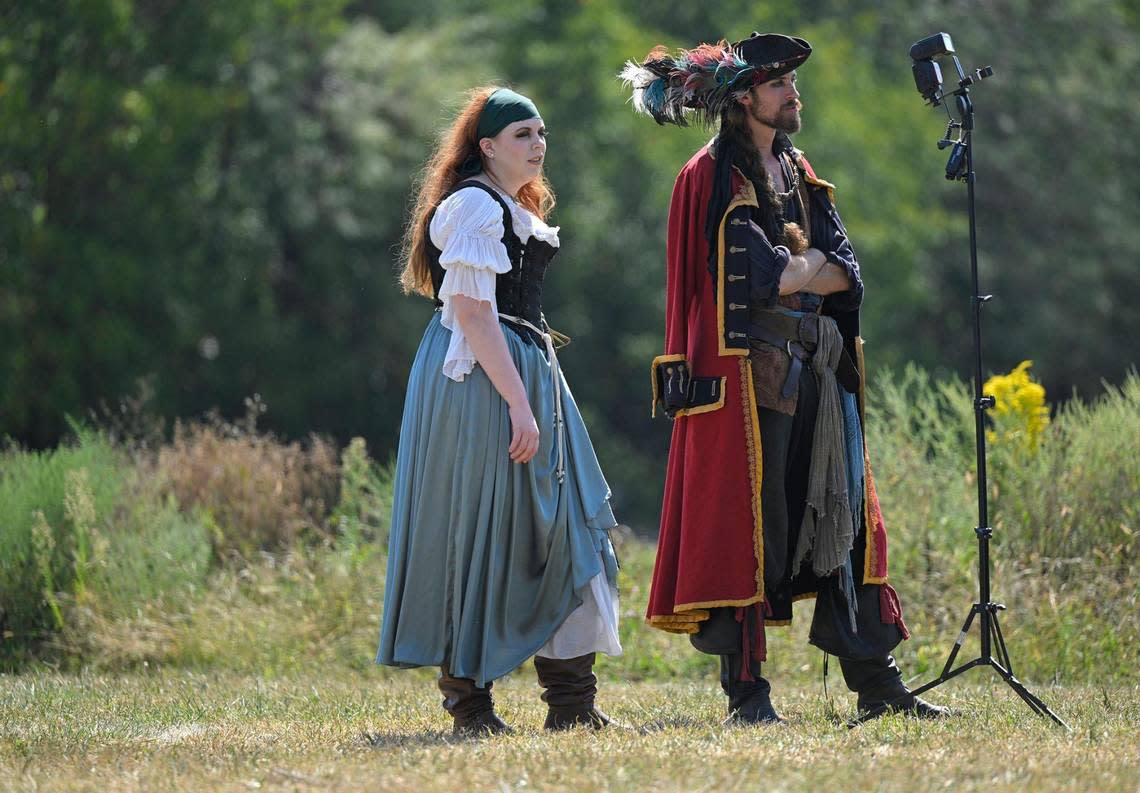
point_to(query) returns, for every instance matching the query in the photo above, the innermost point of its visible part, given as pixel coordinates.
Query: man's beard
(786, 119)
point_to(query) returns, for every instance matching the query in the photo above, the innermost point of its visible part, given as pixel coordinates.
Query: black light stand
(960, 166)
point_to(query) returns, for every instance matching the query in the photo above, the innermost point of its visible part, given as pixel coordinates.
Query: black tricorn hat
(772, 54)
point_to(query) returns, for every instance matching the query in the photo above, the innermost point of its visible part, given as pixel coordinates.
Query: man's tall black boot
(879, 685)
(471, 707)
(749, 701)
(570, 686)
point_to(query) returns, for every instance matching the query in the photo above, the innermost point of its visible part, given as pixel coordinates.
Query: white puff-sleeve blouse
(468, 229)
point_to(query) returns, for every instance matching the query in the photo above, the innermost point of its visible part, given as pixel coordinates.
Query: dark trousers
(785, 443)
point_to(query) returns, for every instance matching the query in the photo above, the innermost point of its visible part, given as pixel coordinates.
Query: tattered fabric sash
(827, 533)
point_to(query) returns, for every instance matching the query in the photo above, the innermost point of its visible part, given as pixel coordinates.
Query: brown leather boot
(570, 686)
(471, 707)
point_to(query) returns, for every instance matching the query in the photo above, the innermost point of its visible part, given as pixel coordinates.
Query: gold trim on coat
(755, 467)
(745, 196)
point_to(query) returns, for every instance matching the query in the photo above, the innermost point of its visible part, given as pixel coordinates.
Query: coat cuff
(852, 298)
(767, 265)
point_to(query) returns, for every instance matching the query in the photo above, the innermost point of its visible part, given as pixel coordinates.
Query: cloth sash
(827, 533)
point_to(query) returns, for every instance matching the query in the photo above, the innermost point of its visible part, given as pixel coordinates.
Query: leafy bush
(105, 547)
(82, 534)
(154, 562)
(52, 508)
(1077, 497)
(1063, 508)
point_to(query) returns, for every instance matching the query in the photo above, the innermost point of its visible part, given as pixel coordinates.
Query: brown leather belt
(798, 334)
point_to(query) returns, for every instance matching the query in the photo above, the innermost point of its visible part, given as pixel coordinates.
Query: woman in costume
(499, 546)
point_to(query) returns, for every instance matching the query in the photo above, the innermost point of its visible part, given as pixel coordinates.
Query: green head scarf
(503, 107)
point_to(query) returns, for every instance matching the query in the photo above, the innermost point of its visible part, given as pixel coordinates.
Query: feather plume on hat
(699, 82)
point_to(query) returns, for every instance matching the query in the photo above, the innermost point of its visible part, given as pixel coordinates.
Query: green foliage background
(209, 195)
(228, 550)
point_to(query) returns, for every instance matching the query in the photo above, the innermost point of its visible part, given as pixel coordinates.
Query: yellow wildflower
(1021, 414)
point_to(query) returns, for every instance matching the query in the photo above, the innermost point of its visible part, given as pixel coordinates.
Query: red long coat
(710, 549)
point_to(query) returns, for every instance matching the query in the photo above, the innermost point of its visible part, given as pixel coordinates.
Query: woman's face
(515, 155)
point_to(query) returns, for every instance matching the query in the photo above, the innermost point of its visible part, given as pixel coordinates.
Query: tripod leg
(942, 678)
(1032, 700)
(960, 641)
(999, 641)
(1034, 704)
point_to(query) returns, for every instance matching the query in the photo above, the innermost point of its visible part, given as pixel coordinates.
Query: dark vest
(519, 291)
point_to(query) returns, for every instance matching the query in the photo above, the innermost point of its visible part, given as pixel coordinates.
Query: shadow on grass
(673, 723)
(400, 740)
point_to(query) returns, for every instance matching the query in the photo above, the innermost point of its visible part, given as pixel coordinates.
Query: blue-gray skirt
(486, 556)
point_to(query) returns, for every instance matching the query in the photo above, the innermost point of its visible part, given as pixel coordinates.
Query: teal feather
(654, 96)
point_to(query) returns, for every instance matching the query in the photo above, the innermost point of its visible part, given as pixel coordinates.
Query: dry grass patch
(385, 731)
(255, 492)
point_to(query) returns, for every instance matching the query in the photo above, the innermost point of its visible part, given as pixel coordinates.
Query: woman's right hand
(524, 433)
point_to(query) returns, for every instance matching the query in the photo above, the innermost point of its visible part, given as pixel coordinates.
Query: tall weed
(85, 540)
(52, 508)
(1075, 495)
(920, 439)
(1078, 496)
(364, 510)
(1064, 514)
(254, 492)
(117, 547)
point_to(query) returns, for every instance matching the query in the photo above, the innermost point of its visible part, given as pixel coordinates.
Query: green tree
(212, 195)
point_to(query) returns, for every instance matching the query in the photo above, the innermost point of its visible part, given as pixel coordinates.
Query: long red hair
(456, 144)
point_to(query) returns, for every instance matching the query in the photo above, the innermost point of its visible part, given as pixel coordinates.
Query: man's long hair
(734, 145)
(458, 144)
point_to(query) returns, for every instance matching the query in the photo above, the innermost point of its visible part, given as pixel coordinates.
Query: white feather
(635, 76)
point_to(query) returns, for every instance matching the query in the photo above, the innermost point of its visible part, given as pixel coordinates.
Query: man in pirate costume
(769, 496)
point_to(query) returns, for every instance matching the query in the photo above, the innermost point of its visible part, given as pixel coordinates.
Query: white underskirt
(590, 628)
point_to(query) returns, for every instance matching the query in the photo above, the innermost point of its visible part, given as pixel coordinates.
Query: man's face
(775, 103)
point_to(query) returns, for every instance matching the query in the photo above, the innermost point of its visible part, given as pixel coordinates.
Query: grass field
(183, 731)
(264, 681)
